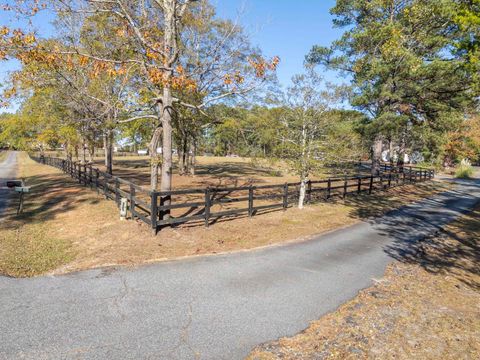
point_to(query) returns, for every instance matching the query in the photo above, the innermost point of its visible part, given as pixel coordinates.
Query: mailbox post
(21, 189)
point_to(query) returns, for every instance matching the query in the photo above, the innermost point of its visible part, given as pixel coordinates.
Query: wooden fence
(207, 205)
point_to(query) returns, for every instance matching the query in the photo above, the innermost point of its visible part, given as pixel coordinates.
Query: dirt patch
(91, 226)
(426, 307)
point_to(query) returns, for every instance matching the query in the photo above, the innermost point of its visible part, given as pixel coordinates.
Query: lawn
(66, 227)
(214, 171)
(425, 307)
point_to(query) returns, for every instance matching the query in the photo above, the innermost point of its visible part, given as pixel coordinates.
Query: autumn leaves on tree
(125, 61)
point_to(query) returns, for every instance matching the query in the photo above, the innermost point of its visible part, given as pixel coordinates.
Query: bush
(464, 170)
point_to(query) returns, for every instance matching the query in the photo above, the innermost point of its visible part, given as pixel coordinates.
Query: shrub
(464, 170)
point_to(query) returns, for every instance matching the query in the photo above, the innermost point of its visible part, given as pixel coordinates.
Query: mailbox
(14, 183)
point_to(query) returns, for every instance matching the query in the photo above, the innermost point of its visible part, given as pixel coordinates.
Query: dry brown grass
(96, 236)
(215, 171)
(426, 307)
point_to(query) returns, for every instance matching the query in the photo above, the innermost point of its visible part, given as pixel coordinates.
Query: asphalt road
(7, 172)
(211, 307)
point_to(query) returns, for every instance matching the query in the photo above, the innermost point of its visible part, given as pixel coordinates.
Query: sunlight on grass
(29, 250)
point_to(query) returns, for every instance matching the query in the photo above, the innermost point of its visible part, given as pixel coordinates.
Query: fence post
(370, 188)
(390, 179)
(85, 174)
(250, 201)
(132, 201)
(309, 191)
(359, 188)
(79, 173)
(345, 183)
(117, 193)
(207, 206)
(329, 187)
(154, 211)
(285, 196)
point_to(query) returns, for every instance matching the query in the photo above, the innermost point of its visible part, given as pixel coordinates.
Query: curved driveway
(211, 307)
(8, 170)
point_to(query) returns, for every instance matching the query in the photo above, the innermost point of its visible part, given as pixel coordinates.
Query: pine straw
(426, 307)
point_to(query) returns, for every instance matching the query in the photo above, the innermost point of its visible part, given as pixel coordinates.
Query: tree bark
(376, 156)
(193, 149)
(84, 151)
(186, 156)
(181, 158)
(154, 157)
(108, 147)
(166, 179)
(401, 152)
(301, 197)
(391, 152)
(91, 152)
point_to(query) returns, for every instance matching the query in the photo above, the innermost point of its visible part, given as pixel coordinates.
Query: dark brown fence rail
(207, 205)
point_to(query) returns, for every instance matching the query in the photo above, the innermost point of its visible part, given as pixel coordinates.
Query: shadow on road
(420, 234)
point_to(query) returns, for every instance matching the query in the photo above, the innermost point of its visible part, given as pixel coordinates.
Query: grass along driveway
(66, 227)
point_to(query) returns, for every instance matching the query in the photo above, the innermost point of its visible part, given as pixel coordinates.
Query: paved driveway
(210, 307)
(8, 170)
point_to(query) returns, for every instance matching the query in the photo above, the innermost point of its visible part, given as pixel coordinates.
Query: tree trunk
(401, 152)
(154, 157)
(67, 150)
(391, 151)
(108, 149)
(186, 156)
(84, 151)
(181, 158)
(193, 149)
(376, 156)
(166, 180)
(91, 153)
(170, 44)
(301, 197)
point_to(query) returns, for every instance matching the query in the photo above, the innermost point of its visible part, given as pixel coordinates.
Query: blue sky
(287, 28)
